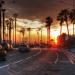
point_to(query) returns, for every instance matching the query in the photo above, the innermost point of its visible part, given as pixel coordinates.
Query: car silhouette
(2, 54)
(24, 48)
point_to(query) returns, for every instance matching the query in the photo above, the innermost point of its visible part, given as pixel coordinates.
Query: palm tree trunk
(23, 37)
(73, 29)
(60, 29)
(3, 23)
(29, 36)
(38, 36)
(10, 34)
(48, 34)
(15, 18)
(15, 30)
(13, 35)
(20, 37)
(67, 28)
(0, 25)
(41, 36)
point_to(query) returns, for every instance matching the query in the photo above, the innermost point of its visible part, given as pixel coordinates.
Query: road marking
(64, 61)
(56, 58)
(12, 55)
(21, 60)
(4, 66)
(36, 54)
(17, 61)
(28, 58)
(69, 55)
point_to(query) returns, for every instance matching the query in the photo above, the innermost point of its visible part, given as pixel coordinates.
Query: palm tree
(7, 25)
(3, 13)
(29, 30)
(61, 19)
(65, 15)
(48, 24)
(72, 18)
(23, 33)
(10, 27)
(1, 4)
(38, 34)
(15, 19)
(40, 29)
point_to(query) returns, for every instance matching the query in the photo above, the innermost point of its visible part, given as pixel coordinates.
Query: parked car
(2, 54)
(24, 48)
(4, 45)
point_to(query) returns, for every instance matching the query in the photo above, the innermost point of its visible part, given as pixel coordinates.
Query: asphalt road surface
(40, 61)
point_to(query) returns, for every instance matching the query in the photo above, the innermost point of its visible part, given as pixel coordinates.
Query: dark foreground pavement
(40, 64)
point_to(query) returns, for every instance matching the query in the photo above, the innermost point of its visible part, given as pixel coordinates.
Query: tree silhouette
(29, 30)
(61, 19)
(72, 18)
(1, 5)
(15, 19)
(65, 15)
(23, 33)
(3, 11)
(49, 21)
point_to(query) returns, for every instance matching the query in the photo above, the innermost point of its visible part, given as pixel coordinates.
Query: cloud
(37, 8)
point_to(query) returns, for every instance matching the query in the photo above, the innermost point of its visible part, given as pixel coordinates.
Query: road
(39, 62)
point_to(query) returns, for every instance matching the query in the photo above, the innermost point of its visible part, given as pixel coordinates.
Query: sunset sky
(32, 13)
(55, 29)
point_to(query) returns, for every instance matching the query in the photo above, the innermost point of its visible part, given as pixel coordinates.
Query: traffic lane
(38, 65)
(16, 56)
(70, 55)
(41, 65)
(34, 63)
(62, 57)
(4, 69)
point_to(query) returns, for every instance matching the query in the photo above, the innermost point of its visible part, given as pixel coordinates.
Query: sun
(54, 34)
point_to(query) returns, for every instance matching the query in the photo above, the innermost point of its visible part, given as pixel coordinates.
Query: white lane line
(68, 55)
(28, 58)
(21, 60)
(4, 66)
(70, 59)
(12, 55)
(56, 58)
(17, 61)
(36, 54)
